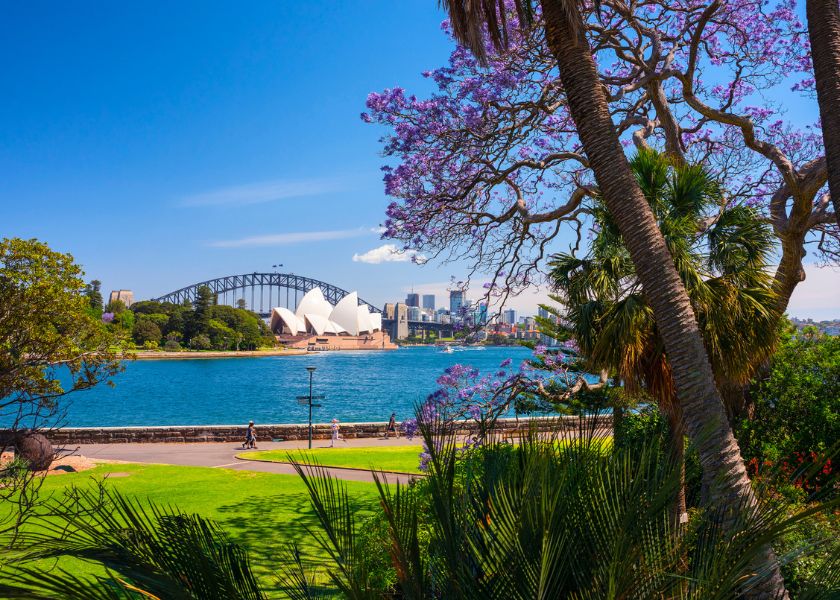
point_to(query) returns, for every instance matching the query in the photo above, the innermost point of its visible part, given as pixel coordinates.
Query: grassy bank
(261, 511)
(401, 459)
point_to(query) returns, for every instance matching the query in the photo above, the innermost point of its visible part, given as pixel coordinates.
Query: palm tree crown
(721, 253)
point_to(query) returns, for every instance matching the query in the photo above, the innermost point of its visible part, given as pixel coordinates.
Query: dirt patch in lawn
(71, 463)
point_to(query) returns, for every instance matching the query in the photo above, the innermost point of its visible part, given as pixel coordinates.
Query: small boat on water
(447, 350)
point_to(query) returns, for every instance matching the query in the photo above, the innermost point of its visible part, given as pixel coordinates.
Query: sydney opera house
(318, 325)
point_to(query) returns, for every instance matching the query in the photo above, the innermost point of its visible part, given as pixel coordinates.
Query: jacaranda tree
(476, 171)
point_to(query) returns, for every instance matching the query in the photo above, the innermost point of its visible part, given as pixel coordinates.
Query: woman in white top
(334, 427)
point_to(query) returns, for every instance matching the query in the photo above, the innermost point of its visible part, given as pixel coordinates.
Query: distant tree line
(201, 325)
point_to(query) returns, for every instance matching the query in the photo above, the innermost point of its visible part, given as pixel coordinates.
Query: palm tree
(703, 411)
(723, 267)
(558, 515)
(824, 33)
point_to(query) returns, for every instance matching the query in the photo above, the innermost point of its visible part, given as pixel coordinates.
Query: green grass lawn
(261, 511)
(403, 459)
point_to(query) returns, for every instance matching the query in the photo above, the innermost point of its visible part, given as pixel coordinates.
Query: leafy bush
(636, 429)
(200, 342)
(796, 421)
(145, 331)
(172, 346)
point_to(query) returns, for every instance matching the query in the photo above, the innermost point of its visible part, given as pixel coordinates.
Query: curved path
(223, 455)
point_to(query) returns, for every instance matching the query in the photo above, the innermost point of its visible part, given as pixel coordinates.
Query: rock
(35, 449)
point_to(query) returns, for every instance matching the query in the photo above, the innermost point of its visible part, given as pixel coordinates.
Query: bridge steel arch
(261, 281)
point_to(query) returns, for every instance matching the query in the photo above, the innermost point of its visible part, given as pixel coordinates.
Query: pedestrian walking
(250, 436)
(392, 426)
(334, 426)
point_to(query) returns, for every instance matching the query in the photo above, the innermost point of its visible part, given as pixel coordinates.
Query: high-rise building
(414, 313)
(544, 339)
(456, 301)
(429, 301)
(509, 316)
(412, 300)
(126, 296)
(481, 318)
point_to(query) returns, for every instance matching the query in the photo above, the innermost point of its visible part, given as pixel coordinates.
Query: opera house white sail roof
(315, 315)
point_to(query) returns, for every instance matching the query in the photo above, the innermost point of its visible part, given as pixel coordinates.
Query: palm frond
(160, 552)
(474, 21)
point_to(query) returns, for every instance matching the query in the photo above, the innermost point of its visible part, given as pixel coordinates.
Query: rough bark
(669, 125)
(704, 414)
(676, 448)
(824, 32)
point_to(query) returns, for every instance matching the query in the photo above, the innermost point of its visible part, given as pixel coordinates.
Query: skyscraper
(412, 300)
(482, 314)
(429, 301)
(509, 316)
(456, 301)
(544, 339)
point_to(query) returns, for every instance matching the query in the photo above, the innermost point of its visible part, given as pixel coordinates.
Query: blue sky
(167, 143)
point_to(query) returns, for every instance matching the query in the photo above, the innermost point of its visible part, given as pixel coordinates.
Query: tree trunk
(676, 449)
(789, 274)
(824, 33)
(703, 411)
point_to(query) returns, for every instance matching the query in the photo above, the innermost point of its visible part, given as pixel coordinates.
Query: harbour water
(359, 386)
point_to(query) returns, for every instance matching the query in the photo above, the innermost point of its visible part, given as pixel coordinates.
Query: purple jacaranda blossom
(461, 185)
(425, 458)
(409, 428)
(107, 317)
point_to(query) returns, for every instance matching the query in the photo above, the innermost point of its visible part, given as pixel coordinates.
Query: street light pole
(308, 400)
(311, 371)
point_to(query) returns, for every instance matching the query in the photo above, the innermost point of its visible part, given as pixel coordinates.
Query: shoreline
(192, 355)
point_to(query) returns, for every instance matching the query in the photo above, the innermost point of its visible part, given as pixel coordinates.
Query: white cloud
(287, 239)
(387, 253)
(261, 192)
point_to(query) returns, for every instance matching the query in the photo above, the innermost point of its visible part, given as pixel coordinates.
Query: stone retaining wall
(236, 433)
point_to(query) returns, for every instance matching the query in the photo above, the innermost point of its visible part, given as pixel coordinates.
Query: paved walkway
(222, 455)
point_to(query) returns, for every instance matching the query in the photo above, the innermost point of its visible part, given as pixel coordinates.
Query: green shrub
(796, 422)
(172, 346)
(200, 342)
(145, 331)
(635, 430)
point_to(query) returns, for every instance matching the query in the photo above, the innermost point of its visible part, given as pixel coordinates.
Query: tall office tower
(456, 301)
(482, 314)
(412, 300)
(429, 301)
(544, 339)
(509, 316)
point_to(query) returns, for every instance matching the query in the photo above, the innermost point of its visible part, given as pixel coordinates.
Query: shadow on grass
(268, 524)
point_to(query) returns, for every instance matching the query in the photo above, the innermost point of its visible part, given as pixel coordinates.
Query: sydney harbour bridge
(264, 291)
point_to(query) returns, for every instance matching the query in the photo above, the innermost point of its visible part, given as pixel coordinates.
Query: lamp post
(308, 400)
